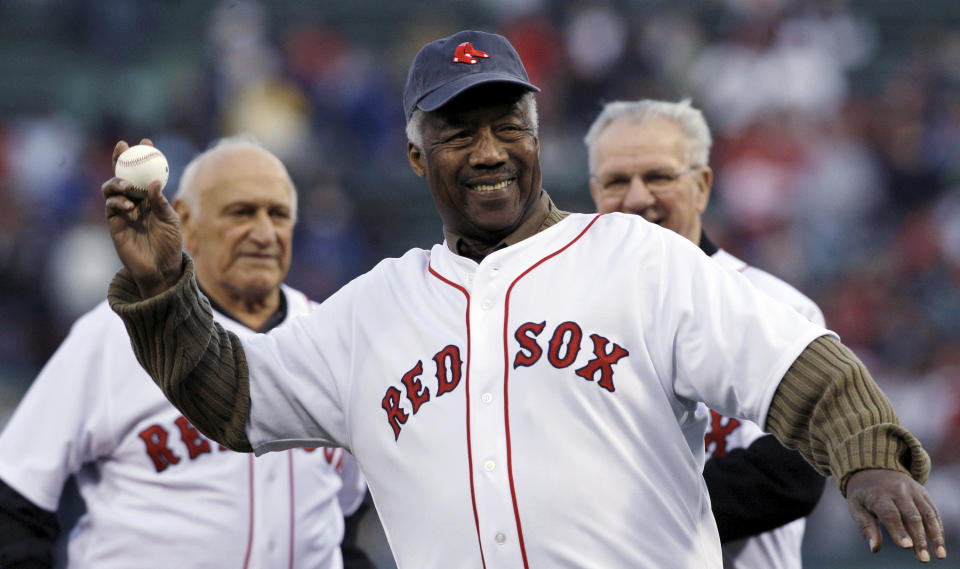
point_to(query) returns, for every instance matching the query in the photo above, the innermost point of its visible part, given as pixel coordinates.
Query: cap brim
(442, 95)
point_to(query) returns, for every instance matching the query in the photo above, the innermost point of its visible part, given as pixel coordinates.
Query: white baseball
(141, 165)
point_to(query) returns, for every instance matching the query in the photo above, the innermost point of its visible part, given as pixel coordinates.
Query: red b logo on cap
(466, 53)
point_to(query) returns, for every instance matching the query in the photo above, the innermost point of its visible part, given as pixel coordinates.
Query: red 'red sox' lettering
(719, 430)
(562, 350)
(157, 442)
(448, 371)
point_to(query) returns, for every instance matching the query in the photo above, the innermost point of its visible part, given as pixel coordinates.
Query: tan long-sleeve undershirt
(827, 406)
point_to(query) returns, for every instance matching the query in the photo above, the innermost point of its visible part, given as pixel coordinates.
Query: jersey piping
(246, 558)
(473, 496)
(506, 374)
(292, 506)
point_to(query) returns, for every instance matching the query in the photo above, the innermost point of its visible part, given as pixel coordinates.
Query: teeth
(491, 187)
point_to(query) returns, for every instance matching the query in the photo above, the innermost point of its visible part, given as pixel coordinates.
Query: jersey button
(486, 397)
(487, 304)
(489, 465)
(500, 538)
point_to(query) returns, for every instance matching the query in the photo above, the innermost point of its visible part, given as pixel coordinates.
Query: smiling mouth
(491, 187)
(652, 219)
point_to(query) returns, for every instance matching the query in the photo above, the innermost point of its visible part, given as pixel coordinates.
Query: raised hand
(901, 505)
(145, 230)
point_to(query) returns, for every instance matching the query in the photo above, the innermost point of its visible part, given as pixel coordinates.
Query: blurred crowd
(836, 155)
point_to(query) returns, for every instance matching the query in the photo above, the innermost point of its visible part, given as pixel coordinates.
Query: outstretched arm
(828, 407)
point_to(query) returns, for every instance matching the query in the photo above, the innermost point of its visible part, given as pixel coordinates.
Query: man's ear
(186, 224)
(417, 159)
(594, 191)
(704, 180)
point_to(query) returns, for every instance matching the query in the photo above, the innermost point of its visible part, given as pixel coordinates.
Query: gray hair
(683, 114)
(187, 190)
(415, 123)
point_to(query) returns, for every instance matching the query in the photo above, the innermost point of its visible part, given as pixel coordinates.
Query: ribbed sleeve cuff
(887, 446)
(828, 407)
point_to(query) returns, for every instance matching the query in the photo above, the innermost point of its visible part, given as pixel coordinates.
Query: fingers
(120, 197)
(119, 149)
(933, 525)
(902, 506)
(122, 147)
(867, 524)
(913, 524)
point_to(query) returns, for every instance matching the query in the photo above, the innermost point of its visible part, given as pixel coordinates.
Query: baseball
(142, 164)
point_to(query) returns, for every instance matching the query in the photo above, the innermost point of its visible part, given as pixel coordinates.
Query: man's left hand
(901, 505)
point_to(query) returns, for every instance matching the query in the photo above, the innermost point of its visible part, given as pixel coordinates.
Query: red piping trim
(506, 373)
(292, 507)
(473, 497)
(246, 559)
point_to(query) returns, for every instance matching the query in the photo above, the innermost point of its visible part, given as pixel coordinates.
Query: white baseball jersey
(779, 548)
(158, 493)
(535, 409)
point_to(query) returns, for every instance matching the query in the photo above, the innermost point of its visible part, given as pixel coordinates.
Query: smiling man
(525, 393)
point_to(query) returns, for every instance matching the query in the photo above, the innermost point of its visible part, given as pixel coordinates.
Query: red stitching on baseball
(137, 161)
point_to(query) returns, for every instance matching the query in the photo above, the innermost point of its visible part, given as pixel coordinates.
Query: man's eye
(657, 179)
(459, 135)
(616, 184)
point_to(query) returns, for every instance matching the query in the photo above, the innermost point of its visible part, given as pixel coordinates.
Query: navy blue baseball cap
(447, 67)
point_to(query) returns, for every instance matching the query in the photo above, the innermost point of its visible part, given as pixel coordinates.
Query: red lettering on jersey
(416, 392)
(603, 362)
(329, 453)
(222, 448)
(573, 344)
(395, 415)
(452, 354)
(155, 437)
(196, 444)
(717, 435)
(526, 335)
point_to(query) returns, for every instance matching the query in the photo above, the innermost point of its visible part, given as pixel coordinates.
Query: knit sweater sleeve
(200, 367)
(829, 408)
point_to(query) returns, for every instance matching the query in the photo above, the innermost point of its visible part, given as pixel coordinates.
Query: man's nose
(263, 231)
(638, 197)
(488, 151)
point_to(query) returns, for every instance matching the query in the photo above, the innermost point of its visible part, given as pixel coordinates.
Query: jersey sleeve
(299, 374)
(719, 339)
(62, 421)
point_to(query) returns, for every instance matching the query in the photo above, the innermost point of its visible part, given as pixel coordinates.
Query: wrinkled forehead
(632, 143)
(243, 172)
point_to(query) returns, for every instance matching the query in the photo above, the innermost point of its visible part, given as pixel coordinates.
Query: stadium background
(837, 155)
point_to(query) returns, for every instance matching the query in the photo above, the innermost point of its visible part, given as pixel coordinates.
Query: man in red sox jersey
(158, 493)
(524, 394)
(650, 158)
